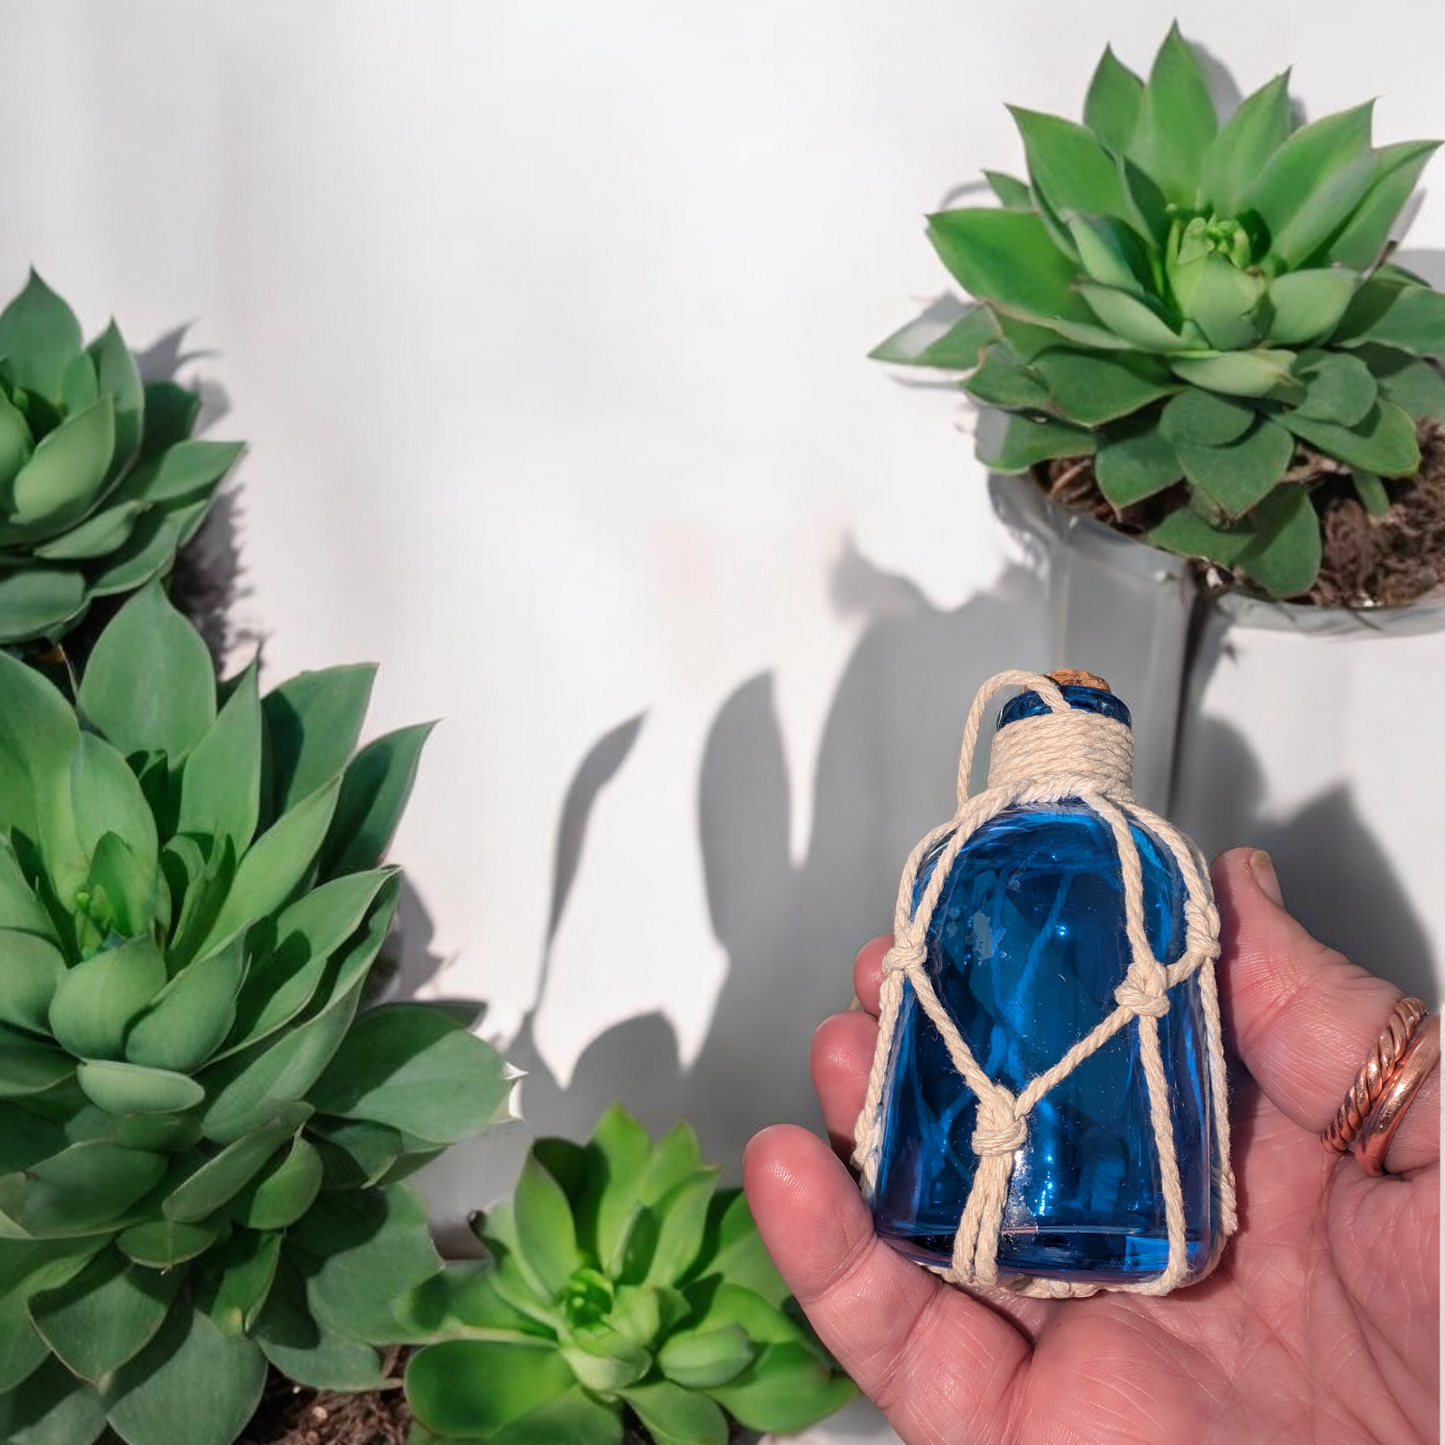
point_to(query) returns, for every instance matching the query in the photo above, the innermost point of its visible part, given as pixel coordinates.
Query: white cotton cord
(1065, 753)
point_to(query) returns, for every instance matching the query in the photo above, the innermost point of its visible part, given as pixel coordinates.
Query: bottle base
(1085, 1256)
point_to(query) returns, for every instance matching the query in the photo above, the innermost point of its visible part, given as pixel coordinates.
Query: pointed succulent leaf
(16, 441)
(1013, 194)
(1371, 492)
(22, 1351)
(1222, 301)
(1133, 320)
(274, 866)
(149, 683)
(217, 1179)
(30, 1067)
(1283, 556)
(362, 1253)
(374, 791)
(1111, 107)
(62, 481)
(620, 1152)
(701, 1359)
(1261, 372)
(30, 969)
(674, 1415)
(605, 1361)
(1384, 441)
(1002, 380)
(948, 345)
(104, 1315)
(20, 907)
(165, 1243)
(78, 387)
(116, 374)
(98, 999)
(192, 1385)
(284, 1192)
(1136, 460)
(1096, 389)
(171, 411)
(721, 1303)
(121, 1088)
(1409, 317)
(472, 1388)
(786, 1389)
(1177, 121)
(234, 1280)
(1244, 145)
(249, 1087)
(51, 1407)
(1238, 474)
(308, 933)
(1341, 388)
(1026, 441)
(1332, 153)
(312, 723)
(1395, 169)
(412, 1067)
(85, 1186)
(39, 602)
(683, 1216)
(735, 1250)
(1200, 418)
(98, 536)
(1069, 167)
(1409, 381)
(108, 799)
(188, 470)
(221, 781)
(191, 1016)
(304, 1350)
(1306, 306)
(149, 550)
(546, 1235)
(1111, 252)
(39, 338)
(1187, 534)
(1008, 258)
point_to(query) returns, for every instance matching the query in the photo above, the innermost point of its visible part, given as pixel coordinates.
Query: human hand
(1321, 1321)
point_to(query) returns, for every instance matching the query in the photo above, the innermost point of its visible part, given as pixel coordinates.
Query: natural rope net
(1064, 753)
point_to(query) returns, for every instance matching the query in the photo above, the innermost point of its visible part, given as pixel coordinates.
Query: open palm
(1320, 1323)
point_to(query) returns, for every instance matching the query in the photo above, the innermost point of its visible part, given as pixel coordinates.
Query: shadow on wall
(885, 774)
(1336, 878)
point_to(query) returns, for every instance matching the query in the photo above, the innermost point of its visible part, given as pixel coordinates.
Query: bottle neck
(1090, 748)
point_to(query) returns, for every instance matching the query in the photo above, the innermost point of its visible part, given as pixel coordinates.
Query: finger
(868, 971)
(1301, 1016)
(941, 1365)
(841, 1059)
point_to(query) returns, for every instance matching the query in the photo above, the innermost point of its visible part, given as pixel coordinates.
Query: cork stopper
(1072, 677)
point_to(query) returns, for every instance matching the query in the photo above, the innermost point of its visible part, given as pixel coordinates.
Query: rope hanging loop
(1043, 759)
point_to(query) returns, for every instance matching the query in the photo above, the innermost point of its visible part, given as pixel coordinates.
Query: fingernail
(1262, 866)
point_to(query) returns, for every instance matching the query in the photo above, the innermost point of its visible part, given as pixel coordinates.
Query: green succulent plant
(100, 483)
(201, 1132)
(1185, 297)
(621, 1276)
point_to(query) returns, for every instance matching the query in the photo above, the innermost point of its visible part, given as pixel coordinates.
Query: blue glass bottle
(1025, 949)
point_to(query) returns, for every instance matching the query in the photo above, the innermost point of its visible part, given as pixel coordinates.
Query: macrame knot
(1000, 1130)
(1144, 990)
(1201, 916)
(905, 956)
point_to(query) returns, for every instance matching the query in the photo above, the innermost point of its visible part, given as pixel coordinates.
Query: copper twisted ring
(1375, 1075)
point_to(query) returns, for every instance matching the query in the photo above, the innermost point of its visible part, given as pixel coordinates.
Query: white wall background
(546, 324)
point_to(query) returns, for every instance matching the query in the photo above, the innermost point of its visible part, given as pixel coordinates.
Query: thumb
(1301, 1016)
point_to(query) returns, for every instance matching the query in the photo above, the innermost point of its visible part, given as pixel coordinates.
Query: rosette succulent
(201, 1129)
(621, 1278)
(100, 483)
(1188, 300)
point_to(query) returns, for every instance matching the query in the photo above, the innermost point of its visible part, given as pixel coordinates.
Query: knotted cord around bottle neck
(1063, 754)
